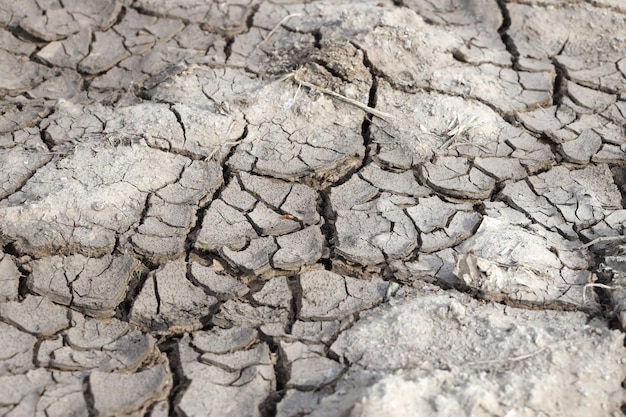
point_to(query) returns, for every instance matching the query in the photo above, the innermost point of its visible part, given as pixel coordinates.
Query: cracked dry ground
(266, 208)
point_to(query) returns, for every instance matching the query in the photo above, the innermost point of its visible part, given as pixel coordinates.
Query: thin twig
(603, 239)
(269, 35)
(382, 115)
(606, 287)
(511, 359)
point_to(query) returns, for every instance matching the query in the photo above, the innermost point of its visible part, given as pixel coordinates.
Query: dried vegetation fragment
(289, 146)
(448, 126)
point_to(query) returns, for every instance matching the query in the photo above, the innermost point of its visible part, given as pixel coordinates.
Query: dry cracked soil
(312, 208)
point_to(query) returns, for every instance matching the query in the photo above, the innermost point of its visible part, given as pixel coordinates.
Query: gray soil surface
(312, 208)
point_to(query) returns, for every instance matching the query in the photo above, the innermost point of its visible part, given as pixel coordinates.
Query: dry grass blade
(381, 115)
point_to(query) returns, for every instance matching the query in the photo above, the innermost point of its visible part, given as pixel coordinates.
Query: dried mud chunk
(522, 197)
(269, 191)
(299, 248)
(154, 122)
(392, 182)
(457, 178)
(541, 33)
(547, 120)
(209, 133)
(224, 287)
(455, 12)
(584, 196)
(271, 223)
(255, 258)
(221, 341)
(21, 74)
(11, 44)
(93, 286)
(20, 393)
(587, 97)
(317, 331)
(240, 359)
(612, 225)
(9, 278)
(229, 19)
(142, 32)
(271, 55)
(352, 193)
(524, 268)
(65, 396)
(16, 350)
(16, 166)
(275, 293)
(615, 264)
(501, 168)
(442, 224)
(80, 202)
(236, 196)
(433, 213)
(92, 344)
(172, 211)
(420, 333)
(353, 229)
(55, 24)
(309, 368)
(224, 226)
(445, 125)
(297, 402)
(582, 149)
(116, 394)
(71, 122)
(293, 148)
(169, 303)
(237, 384)
(301, 203)
(67, 53)
(382, 230)
(460, 228)
(238, 313)
(106, 51)
(35, 315)
(327, 296)
(416, 55)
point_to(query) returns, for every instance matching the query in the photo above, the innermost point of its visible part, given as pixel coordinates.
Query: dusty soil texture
(312, 208)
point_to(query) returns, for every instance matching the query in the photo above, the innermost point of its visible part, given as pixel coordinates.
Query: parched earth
(316, 208)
